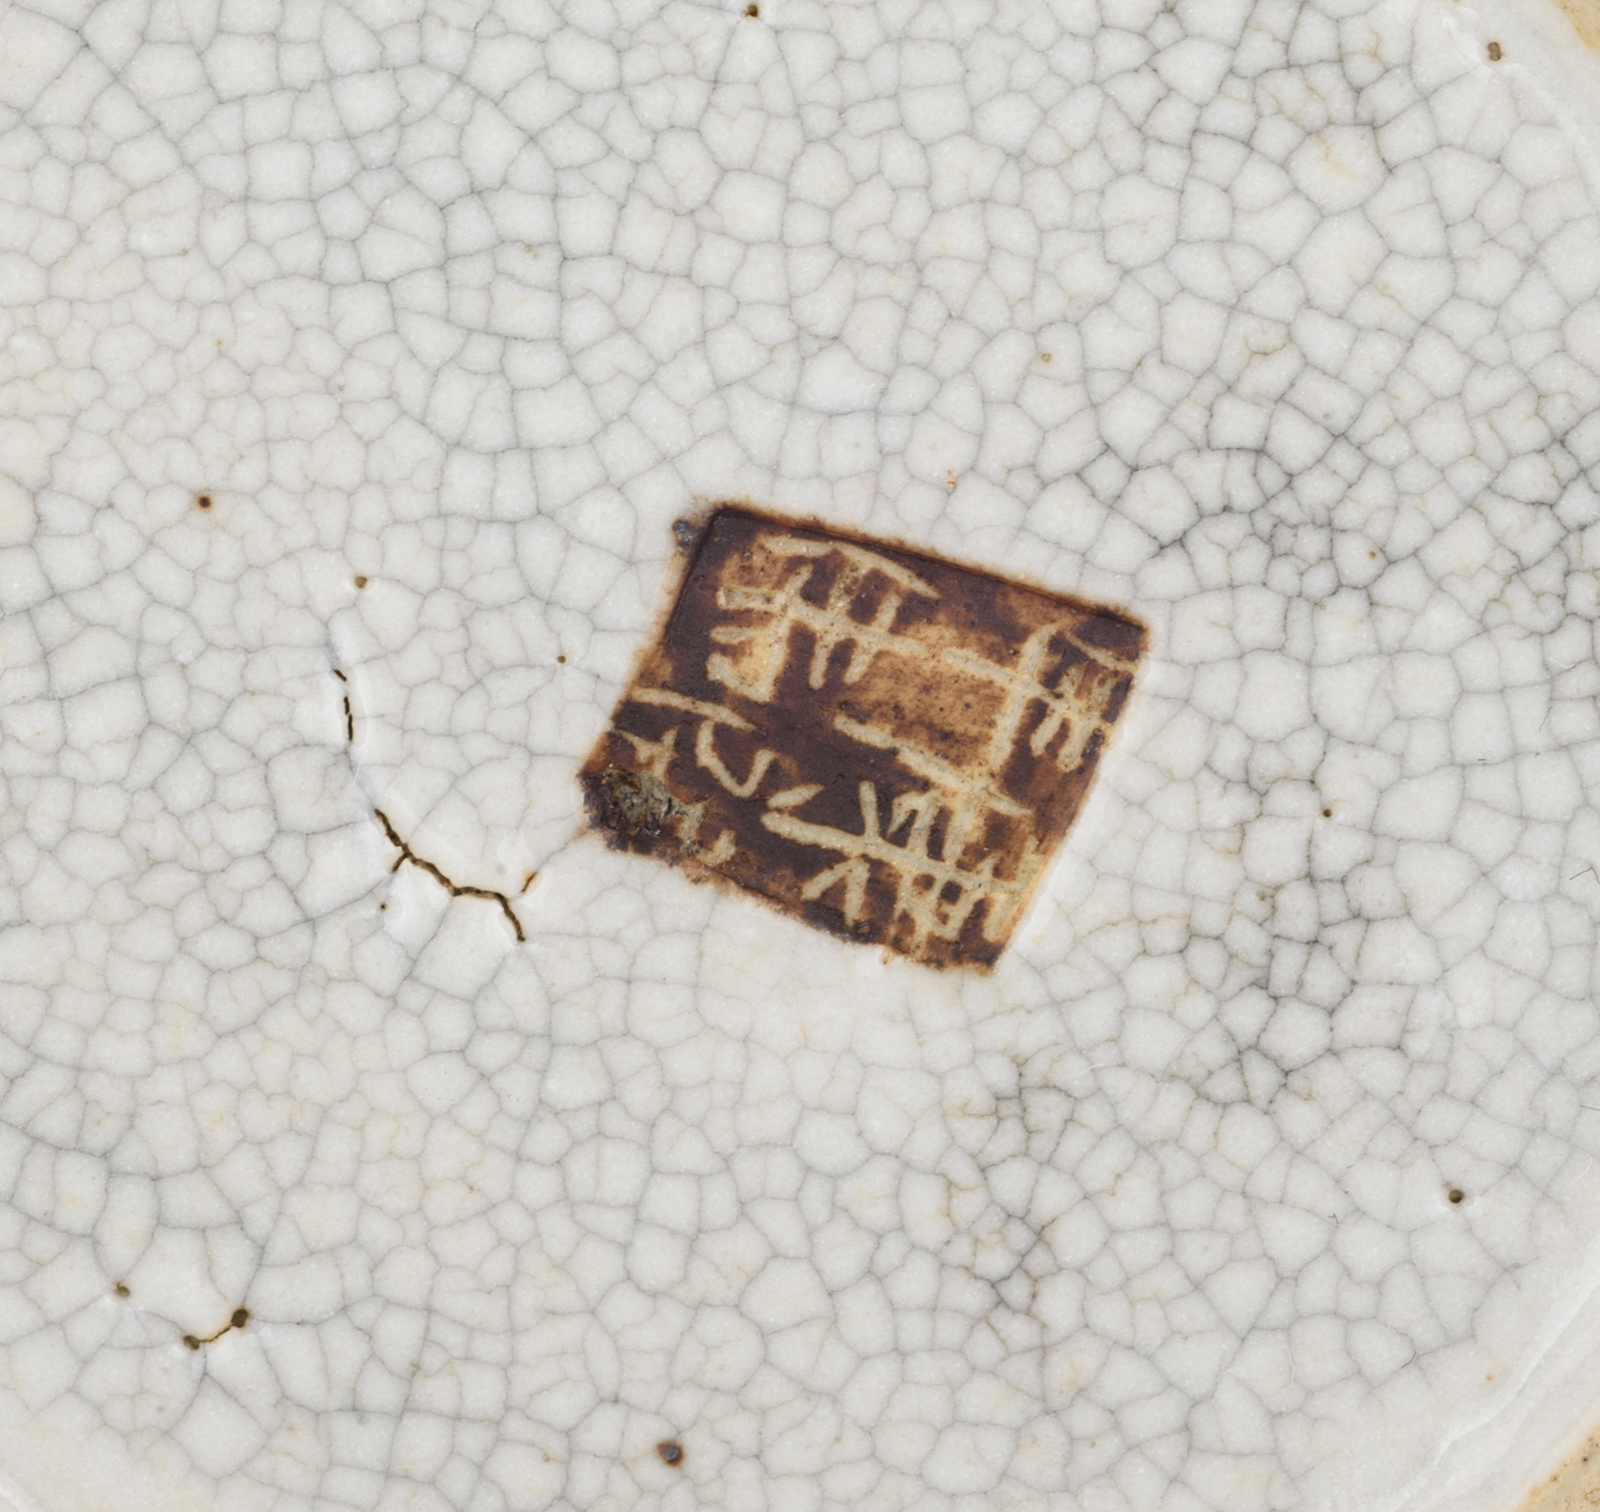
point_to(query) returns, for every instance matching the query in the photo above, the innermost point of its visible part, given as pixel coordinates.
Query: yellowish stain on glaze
(1575, 1487)
(1585, 16)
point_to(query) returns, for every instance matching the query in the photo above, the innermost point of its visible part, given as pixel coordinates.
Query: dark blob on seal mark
(670, 1451)
(632, 803)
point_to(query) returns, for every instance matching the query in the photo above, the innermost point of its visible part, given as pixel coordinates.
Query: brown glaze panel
(883, 744)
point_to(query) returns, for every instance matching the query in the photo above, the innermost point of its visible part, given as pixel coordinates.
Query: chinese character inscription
(883, 744)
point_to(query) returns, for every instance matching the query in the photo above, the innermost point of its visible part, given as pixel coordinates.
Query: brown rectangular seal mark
(881, 743)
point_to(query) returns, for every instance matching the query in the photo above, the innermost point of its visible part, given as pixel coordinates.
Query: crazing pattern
(954, 721)
(391, 336)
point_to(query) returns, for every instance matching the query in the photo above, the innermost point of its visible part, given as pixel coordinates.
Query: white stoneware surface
(1275, 323)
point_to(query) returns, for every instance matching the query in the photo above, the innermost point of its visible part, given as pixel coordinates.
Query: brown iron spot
(670, 1451)
(1495, 52)
(204, 501)
(1455, 1194)
(349, 711)
(360, 580)
(752, 9)
(884, 744)
(455, 889)
(122, 1289)
(241, 1316)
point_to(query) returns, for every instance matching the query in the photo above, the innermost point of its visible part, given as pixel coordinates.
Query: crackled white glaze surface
(1258, 1175)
